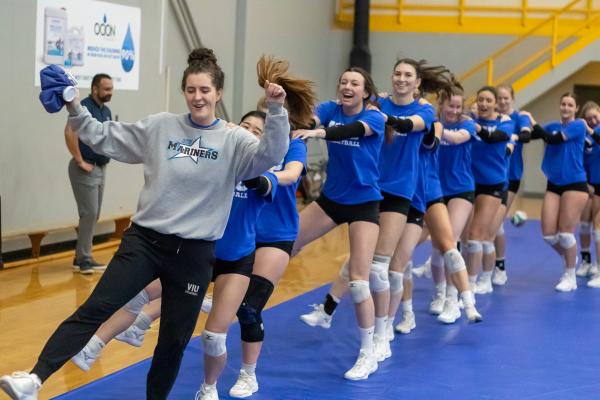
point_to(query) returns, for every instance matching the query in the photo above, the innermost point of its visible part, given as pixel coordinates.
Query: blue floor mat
(534, 343)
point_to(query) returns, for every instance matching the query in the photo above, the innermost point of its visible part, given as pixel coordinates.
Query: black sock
(586, 256)
(458, 246)
(500, 264)
(330, 304)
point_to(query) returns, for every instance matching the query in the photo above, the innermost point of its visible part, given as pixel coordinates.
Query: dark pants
(184, 268)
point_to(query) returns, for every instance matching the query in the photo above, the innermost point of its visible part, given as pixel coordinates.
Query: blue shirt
(352, 173)
(398, 163)
(279, 221)
(489, 161)
(563, 162)
(418, 200)
(239, 239)
(455, 162)
(592, 157)
(101, 113)
(515, 169)
(433, 187)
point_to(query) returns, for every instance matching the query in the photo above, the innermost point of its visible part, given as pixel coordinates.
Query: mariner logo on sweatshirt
(192, 149)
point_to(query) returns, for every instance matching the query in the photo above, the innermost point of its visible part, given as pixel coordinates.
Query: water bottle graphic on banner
(127, 51)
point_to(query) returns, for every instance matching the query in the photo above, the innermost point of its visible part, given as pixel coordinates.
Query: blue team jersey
(563, 163)
(398, 163)
(455, 162)
(239, 239)
(433, 187)
(592, 158)
(352, 173)
(489, 161)
(515, 170)
(418, 200)
(278, 221)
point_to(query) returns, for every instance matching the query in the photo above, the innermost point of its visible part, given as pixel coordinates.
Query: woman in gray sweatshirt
(192, 163)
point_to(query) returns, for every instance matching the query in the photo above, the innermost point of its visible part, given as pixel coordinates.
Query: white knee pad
(345, 270)
(454, 261)
(566, 240)
(408, 271)
(551, 239)
(214, 343)
(474, 246)
(359, 291)
(500, 231)
(437, 260)
(396, 282)
(488, 247)
(136, 304)
(597, 235)
(378, 277)
(585, 227)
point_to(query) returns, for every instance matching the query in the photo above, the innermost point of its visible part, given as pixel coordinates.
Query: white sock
(95, 344)
(380, 324)
(366, 339)
(143, 321)
(570, 271)
(486, 275)
(206, 385)
(407, 305)
(451, 292)
(249, 368)
(467, 298)
(440, 288)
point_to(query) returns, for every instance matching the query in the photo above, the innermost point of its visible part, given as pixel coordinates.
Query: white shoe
(381, 348)
(133, 336)
(317, 317)
(21, 385)
(437, 304)
(450, 313)
(473, 315)
(499, 278)
(594, 282)
(584, 269)
(85, 358)
(389, 331)
(594, 270)
(407, 324)
(567, 283)
(206, 304)
(484, 285)
(423, 270)
(245, 386)
(207, 393)
(364, 366)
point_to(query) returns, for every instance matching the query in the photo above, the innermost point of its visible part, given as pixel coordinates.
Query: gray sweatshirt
(190, 172)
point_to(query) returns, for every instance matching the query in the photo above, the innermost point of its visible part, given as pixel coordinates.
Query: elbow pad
(556, 138)
(538, 132)
(492, 137)
(402, 125)
(260, 184)
(525, 136)
(339, 132)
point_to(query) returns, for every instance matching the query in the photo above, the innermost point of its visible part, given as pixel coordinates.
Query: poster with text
(87, 37)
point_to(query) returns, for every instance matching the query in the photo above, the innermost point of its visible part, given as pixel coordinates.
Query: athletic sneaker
(594, 270)
(473, 315)
(437, 304)
(245, 386)
(317, 317)
(21, 385)
(132, 335)
(584, 269)
(567, 283)
(423, 270)
(364, 366)
(594, 282)
(499, 278)
(450, 313)
(207, 393)
(389, 331)
(85, 358)
(88, 267)
(484, 285)
(206, 304)
(407, 324)
(381, 348)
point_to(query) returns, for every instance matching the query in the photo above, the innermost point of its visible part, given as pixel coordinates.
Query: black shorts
(596, 188)
(504, 198)
(286, 246)
(513, 186)
(393, 203)
(243, 266)
(560, 189)
(491, 190)
(468, 196)
(349, 213)
(436, 201)
(415, 217)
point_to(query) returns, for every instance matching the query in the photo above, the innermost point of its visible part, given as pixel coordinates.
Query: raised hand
(274, 93)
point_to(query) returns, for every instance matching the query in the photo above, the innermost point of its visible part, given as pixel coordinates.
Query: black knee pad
(249, 314)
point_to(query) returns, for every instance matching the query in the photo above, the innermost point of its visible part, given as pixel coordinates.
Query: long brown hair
(300, 93)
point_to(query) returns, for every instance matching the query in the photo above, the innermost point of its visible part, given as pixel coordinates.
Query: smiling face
(351, 89)
(486, 104)
(451, 109)
(254, 125)
(568, 108)
(592, 117)
(404, 80)
(201, 97)
(505, 100)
